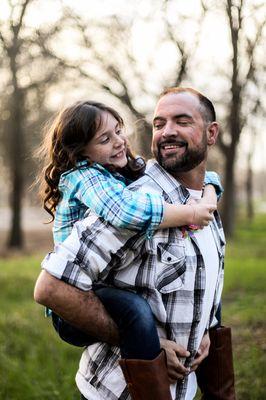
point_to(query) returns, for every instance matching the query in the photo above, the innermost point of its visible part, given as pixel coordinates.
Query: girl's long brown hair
(63, 146)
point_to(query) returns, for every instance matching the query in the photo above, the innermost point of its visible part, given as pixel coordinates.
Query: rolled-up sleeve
(86, 253)
(212, 178)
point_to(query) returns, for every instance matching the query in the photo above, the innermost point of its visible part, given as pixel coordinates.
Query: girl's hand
(202, 214)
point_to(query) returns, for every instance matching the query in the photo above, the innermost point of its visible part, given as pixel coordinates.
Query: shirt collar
(113, 174)
(174, 190)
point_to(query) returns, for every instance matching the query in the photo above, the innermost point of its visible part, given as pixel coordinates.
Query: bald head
(206, 107)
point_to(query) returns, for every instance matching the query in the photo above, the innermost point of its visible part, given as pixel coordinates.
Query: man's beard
(190, 159)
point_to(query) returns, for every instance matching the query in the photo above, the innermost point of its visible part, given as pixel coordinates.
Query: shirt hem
(85, 388)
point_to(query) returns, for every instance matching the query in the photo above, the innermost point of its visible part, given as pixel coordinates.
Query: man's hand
(203, 351)
(173, 351)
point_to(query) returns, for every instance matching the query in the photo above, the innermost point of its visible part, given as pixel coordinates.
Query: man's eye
(158, 126)
(182, 123)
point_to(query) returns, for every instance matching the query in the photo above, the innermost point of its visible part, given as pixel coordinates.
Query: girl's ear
(212, 133)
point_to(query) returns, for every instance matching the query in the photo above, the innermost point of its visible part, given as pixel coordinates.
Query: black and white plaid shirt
(172, 281)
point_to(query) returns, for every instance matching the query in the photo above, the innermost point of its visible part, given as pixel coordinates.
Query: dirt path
(37, 235)
(36, 241)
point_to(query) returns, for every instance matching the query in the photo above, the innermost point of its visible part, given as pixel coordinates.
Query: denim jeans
(133, 316)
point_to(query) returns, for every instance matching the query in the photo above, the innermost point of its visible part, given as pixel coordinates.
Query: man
(180, 273)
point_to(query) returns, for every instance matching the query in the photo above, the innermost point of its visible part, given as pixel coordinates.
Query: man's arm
(80, 308)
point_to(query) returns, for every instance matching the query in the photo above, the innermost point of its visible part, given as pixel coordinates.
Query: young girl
(88, 167)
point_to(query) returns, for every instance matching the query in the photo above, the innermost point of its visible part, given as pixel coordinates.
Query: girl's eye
(119, 132)
(104, 140)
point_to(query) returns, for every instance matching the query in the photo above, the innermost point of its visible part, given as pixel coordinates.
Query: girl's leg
(71, 334)
(143, 364)
(133, 316)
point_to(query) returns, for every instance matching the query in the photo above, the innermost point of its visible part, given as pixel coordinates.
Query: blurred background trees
(27, 75)
(56, 52)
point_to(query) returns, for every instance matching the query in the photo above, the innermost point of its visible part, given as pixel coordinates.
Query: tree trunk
(229, 198)
(249, 191)
(16, 147)
(143, 138)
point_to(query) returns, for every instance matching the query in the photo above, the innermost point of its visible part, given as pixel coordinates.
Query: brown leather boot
(215, 374)
(147, 379)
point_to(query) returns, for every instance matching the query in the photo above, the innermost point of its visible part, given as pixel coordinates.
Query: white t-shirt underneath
(208, 249)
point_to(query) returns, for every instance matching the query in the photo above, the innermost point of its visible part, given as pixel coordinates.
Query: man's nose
(169, 130)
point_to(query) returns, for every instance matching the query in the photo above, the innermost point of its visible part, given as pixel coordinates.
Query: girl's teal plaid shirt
(106, 194)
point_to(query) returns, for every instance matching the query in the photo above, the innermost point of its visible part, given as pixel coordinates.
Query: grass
(35, 364)
(244, 306)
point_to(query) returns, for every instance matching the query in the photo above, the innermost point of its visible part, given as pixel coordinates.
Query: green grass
(35, 364)
(244, 306)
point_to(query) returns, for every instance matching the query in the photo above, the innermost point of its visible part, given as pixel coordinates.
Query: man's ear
(212, 133)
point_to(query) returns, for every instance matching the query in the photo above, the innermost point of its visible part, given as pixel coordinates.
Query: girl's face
(108, 146)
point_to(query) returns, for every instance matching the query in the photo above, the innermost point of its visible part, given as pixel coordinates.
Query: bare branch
(2, 39)
(184, 53)
(251, 47)
(22, 13)
(254, 110)
(221, 143)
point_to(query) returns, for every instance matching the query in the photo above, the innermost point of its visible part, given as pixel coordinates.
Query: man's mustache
(178, 143)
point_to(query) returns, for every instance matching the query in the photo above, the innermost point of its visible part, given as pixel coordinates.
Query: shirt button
(169, 258)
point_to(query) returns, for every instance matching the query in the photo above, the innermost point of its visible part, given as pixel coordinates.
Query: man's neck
(193, 179)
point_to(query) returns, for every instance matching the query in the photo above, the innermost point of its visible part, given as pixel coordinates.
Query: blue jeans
(133, 316)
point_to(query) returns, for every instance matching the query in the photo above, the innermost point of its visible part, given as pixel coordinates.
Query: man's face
(179, 133)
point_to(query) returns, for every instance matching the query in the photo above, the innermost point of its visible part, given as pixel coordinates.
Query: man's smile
(171, 148)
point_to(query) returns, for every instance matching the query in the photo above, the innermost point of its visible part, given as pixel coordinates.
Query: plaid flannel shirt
(172, 282)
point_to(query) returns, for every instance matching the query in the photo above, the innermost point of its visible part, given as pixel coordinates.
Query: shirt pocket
(171, 266)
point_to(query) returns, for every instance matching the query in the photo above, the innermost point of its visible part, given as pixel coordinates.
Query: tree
(114, 67)
(110, 63)
(244, 46)
(24, 75)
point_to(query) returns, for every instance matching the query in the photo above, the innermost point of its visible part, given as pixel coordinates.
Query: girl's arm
(123, 208)
(209, 195)
(110, 199)
(187, 214)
